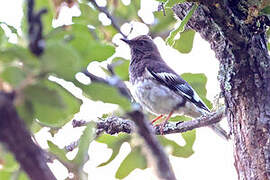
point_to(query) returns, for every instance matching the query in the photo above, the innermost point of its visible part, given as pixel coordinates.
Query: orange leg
(157, 118)
(165, 122)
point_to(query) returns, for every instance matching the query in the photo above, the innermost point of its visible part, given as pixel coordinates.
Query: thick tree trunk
(244, 75)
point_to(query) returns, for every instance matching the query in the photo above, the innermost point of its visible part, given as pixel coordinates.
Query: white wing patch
(164, 75)
(175, 83)
(196, 97)
(183, 88)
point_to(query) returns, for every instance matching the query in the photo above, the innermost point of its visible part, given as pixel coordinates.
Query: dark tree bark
(17, 139)
(239, 42)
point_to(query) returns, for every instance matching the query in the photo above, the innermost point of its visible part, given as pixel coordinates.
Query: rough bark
(17, 139)
(244, 75)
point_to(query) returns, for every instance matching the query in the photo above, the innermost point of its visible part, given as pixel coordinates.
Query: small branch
(17, 139)
(79, 123)
(114, 81)
(72, 146)
(113, 20)
(162, 164)
(161, 8)
(36, 41)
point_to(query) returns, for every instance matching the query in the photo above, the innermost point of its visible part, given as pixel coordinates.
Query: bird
(158, 88)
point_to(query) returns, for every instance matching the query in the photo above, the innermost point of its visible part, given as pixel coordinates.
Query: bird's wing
(179, 86)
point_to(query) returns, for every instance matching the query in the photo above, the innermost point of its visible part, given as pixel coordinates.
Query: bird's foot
(161, 126)
(156, 119)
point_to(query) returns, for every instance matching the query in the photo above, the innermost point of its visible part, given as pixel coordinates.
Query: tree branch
(114, 81)
(162, 165)
(113, 20)
(36, 41)
(15, 136)
(113, 125)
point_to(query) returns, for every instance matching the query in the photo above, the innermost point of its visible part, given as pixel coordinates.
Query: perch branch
(113, 125)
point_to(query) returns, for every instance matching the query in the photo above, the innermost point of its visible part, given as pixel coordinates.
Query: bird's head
(141, 44)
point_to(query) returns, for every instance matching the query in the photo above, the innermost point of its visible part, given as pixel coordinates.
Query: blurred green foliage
(68, 50)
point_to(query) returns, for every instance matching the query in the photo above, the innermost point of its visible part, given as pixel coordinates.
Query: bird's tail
(220, 131)
(216, 127)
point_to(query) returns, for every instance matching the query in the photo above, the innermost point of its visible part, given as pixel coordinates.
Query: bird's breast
(155, 97)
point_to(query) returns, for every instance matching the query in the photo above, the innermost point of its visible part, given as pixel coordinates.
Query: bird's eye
(142, 43)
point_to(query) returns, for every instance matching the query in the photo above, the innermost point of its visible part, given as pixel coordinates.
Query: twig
(113, 20)
(79, 123)
(162, 164)
(72, 146)
(114, 81)
(161, 8)
(36, 41)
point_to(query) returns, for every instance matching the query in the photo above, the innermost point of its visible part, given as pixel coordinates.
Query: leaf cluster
(43, 102)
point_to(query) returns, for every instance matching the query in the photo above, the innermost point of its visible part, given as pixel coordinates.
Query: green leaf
(48, 17)
(114, 143)
(105, 93)
(2, 35)
(26, 111)
(135, 159)
(20, 53)
(171, 38)
(82, 40)
(23, 176)
(85, 140)
(44, 95)
(121, 68)
(179, 119)
(5, 174)
(198, 83)
(266, 10)
(171, 3)
(60, 153)
(88, 16)
(177, 150)
(11, 28)
(61, 59)
(13, 75)
(9, 162)
(53, 105)
(185, 43)
(162, 22)
(162, 1)
(129, 12)
(189, 137)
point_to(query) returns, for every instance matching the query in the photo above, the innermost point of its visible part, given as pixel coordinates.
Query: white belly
(154, 97)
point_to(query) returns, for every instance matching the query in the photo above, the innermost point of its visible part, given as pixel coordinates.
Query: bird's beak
(126, 40)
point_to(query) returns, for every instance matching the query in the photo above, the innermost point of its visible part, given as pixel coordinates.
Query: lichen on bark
(244, 76)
